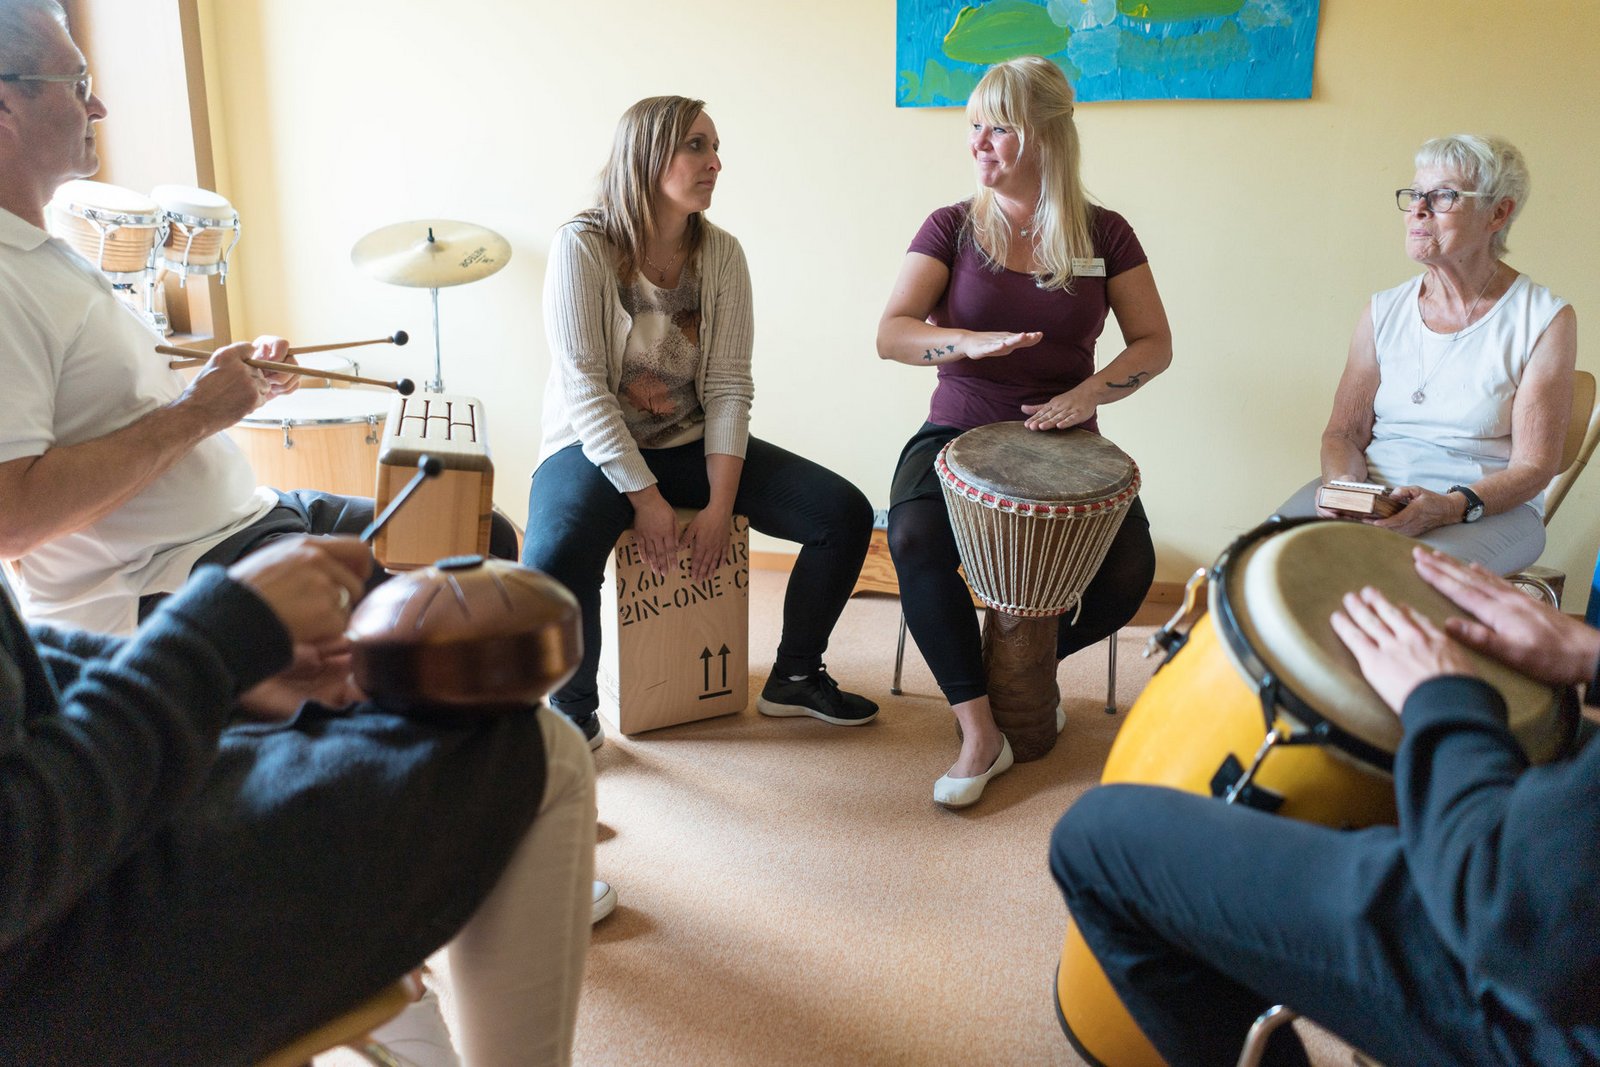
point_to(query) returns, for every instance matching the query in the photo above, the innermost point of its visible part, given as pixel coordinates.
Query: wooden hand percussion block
(449, 515)
(675, 650)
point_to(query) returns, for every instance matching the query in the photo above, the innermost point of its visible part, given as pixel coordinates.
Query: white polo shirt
(77, 364)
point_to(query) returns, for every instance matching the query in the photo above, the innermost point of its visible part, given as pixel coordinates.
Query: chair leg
(1111, 675)
(899, 656)
(1255, 1042)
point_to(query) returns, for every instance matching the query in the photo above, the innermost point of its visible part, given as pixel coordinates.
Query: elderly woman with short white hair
(1458, 385)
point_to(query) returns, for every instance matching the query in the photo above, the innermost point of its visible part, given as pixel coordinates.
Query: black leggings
(939, 610)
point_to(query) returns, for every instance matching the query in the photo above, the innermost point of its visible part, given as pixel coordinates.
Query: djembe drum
(1033, 513)
(1260, 704)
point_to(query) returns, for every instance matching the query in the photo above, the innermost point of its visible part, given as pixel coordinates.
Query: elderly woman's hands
(1423, 510)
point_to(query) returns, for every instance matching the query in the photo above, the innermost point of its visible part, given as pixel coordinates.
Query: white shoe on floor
(418, 1035)
(605, 901)
(960, 792)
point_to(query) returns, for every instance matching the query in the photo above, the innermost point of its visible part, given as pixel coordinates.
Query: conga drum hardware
(1033, 514)
(117, 230)
(1259, 703)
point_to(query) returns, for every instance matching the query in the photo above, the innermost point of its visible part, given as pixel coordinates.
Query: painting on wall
(1110, 49)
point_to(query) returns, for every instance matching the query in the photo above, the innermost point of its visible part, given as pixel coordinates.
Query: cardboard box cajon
(674, 650)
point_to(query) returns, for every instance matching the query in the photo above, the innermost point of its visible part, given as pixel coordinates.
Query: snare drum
(323, 439)
(1033, 513)
(202, 229)
(115, 229)
(1260, 703)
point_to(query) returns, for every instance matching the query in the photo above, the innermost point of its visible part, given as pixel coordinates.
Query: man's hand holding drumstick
(1399, 649)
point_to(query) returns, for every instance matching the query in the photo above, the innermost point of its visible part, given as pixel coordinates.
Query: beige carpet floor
(790, 894)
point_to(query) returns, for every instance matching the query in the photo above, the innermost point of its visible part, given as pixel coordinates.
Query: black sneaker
(816, 695)
(590, 725)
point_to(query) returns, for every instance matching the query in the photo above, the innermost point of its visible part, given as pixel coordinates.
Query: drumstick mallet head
(405, 386)
(399, 337)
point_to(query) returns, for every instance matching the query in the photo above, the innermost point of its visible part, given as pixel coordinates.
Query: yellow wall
(1267, 223)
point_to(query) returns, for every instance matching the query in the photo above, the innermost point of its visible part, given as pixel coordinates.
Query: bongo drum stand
(431, 254)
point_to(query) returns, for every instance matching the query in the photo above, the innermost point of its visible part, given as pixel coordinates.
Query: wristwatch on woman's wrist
(1474, 503)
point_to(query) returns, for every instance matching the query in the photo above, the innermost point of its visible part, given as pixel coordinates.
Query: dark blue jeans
(575, 516)
(1205, 914)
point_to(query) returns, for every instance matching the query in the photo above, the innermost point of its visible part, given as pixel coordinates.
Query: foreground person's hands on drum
(1399, 649)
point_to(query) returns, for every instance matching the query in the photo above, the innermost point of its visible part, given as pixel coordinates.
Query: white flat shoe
(605, 901)
(960, 792)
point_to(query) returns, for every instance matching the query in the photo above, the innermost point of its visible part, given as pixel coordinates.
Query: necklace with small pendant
(1419, 394)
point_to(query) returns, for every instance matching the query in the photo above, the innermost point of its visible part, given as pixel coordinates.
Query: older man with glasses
(196, 866)
(1457, 388)
(115, 479)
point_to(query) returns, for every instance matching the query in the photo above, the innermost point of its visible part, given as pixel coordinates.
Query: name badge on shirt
(1089, 268)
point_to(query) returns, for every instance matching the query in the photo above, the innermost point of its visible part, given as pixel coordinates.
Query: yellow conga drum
(1260, 703)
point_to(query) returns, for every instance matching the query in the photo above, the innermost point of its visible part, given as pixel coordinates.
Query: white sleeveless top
(1461, 430)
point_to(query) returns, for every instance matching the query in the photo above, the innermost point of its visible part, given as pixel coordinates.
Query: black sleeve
(1506, 858)
(85, 780)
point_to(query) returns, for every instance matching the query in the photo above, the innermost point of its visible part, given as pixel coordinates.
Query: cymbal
(430, 253)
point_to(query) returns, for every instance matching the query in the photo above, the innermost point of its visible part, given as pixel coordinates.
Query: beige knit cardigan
(588, 328)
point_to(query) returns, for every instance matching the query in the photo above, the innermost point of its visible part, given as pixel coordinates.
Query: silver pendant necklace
(1419, 394)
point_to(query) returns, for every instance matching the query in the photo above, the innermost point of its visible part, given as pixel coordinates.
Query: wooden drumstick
(192, 357)
(399, 337)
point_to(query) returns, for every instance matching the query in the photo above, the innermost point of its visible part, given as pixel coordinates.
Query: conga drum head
(1273, 600)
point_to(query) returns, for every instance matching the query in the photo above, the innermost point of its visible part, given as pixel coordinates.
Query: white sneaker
(605, 901)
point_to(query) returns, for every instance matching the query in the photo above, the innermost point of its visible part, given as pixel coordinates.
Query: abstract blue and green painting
(1110, 49)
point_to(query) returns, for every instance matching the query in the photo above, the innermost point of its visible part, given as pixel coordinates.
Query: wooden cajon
(449, 515)
(674, 650)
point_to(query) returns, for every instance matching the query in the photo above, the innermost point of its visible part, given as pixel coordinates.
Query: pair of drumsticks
(194, 357)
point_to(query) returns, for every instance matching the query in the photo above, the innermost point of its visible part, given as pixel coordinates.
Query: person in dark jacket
(194, 870)
(1467, 934)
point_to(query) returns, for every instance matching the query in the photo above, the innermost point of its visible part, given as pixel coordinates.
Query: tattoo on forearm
(1133, 382)
(934, 353)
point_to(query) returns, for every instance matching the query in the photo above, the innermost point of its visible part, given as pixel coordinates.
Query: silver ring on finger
(344, 599)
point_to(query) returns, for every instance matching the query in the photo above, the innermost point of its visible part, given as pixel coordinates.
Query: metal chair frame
(1583, 431)
(1111, 666)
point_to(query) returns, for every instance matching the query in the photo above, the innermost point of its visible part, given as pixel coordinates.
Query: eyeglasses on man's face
(83, 82)
(1438, 200)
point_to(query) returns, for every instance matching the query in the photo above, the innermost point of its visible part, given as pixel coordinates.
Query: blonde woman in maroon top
(1006, 294)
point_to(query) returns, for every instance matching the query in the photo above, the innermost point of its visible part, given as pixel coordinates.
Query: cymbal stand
(437, 384)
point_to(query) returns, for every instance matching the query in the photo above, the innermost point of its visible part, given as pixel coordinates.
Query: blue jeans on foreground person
(1206, 914)
(575, 516)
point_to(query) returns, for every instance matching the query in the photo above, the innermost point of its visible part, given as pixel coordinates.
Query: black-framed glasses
(83, 83)
(1438, 200)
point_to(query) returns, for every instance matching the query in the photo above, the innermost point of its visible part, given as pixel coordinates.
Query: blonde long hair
(1031, 95)
(647, 135)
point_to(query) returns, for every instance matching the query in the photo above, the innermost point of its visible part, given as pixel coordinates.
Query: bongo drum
(1033, 513)
(323, 439)
(1260, 703)
(115, 229)
(202, 229)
